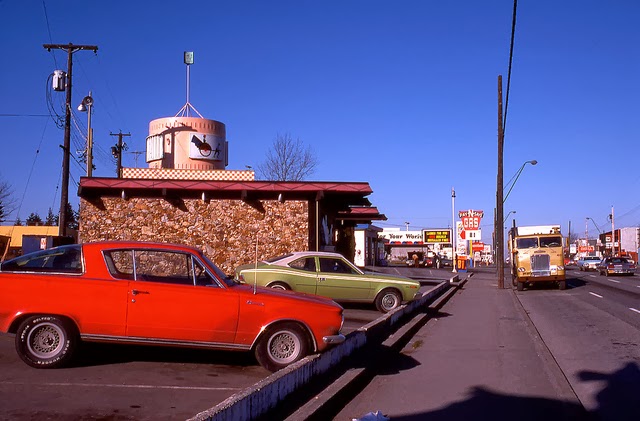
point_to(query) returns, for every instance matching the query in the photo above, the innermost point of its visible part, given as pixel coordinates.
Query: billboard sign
(437, 236)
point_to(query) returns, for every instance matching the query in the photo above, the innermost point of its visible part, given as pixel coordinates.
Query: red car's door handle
(136, 292)
(322, 279)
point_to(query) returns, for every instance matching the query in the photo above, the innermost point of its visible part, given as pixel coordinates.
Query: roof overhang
(342, 193)
(361, 213)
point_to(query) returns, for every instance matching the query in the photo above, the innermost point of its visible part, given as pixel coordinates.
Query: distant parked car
(433, 260)
(446, 261)
(587, 263)
(616, 265)
(330, 275)
(153, 294)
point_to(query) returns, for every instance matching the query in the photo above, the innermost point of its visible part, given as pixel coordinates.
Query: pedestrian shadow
(618, 400)
(485, 404)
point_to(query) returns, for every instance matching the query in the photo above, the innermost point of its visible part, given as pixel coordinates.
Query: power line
(25, 115)
(513, 35)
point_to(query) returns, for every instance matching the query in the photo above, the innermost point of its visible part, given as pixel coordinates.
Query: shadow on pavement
(618, 400)
(97, 354)
(485, 404)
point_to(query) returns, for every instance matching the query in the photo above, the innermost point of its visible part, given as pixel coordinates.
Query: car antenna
(255, 271)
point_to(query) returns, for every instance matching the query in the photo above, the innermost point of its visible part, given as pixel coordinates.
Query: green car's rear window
(275, 259)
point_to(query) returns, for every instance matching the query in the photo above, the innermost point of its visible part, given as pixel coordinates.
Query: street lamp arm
(594, 224)
(515, 178)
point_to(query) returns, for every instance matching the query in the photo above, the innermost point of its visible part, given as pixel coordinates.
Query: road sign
(471, 219)
(473, 235)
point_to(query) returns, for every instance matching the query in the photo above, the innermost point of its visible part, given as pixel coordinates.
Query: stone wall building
(234, 222)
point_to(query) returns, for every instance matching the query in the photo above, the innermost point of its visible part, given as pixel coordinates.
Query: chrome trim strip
(334, 339)
(170, 342)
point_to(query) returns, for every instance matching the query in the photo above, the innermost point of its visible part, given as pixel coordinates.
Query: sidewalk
(478, 358)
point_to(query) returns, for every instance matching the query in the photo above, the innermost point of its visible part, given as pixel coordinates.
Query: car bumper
(333, 339)
(622, 271)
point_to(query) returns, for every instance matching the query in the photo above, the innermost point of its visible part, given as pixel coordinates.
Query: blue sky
(400, 94)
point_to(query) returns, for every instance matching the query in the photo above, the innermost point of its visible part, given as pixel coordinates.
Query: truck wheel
(46, 341)
(520, 286)
(562, 285)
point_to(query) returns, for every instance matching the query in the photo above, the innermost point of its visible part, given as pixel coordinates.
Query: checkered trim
(176, 174)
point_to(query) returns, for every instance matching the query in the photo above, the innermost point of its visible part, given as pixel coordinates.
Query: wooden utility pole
(499, 220)
(117, 151)
(64, 191)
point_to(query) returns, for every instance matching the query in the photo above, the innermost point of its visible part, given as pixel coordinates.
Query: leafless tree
(7, 201)
(287, 160)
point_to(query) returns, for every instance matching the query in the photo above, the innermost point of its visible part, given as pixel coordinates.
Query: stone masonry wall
(224, 229)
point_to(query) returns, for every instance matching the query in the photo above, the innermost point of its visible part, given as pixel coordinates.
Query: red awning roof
(357, 213)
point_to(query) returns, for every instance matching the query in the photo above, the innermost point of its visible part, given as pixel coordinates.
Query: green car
(330, 275)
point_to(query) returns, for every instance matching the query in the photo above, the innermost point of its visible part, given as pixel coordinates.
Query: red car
(154, 294)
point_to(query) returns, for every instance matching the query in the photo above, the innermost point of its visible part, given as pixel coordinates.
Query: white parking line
(126, 386)
(593, 293)
(613, 280)
(633, 309)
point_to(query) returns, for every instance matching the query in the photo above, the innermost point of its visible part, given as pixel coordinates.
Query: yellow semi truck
(536, 255)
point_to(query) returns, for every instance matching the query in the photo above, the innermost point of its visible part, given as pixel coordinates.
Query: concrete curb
(354, 375)
(265, 395)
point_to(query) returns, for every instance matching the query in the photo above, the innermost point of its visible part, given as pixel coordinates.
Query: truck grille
(540, 265)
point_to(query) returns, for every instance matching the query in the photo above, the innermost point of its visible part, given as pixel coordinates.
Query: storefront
(400, 245)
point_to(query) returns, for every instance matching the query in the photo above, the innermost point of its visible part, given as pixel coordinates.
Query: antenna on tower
(185, 110)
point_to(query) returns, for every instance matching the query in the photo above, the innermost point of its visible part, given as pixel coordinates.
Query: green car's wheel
(280, 285)
(388, 300)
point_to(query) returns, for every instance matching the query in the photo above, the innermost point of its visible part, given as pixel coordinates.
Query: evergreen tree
(52, 220)
(34, 220)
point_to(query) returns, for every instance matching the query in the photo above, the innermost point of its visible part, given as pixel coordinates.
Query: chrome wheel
(284, 347)
(388, 300)
(45, 340)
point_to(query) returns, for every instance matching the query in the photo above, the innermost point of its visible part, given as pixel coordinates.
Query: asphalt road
(593, 332)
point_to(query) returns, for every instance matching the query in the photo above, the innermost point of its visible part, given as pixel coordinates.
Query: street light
(85, 105)
(595, 225)
(506, 217)
(516, 176)
(454, 231)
